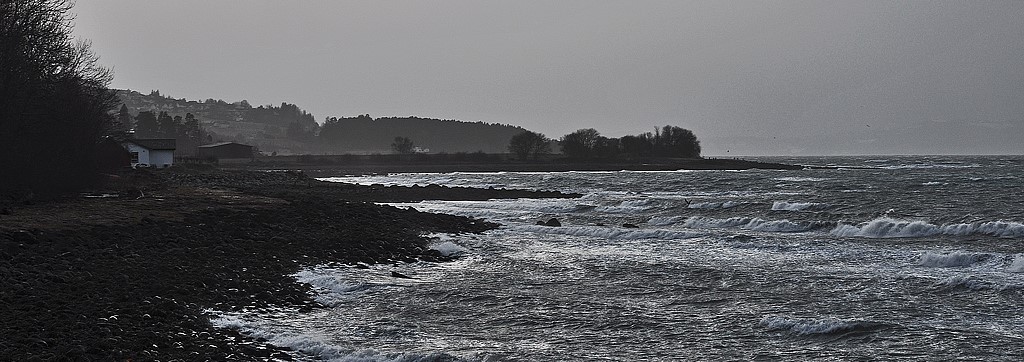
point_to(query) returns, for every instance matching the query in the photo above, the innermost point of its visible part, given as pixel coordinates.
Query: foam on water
(714, 205)
(748, 223)
(448, 248)
(797, 206)
(331, 290)
(605, 232)
(664, 220)
(320, 348)
(954, 259)
(801, 179)
(629, 206)
(886, 227)
(1017, 266)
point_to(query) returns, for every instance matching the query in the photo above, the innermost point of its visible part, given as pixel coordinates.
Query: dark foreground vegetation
(128, 276)
(54, 102)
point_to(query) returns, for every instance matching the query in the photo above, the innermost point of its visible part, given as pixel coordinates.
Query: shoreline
(321, 166)
(132, 276)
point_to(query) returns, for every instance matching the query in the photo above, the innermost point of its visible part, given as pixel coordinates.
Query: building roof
(218, 144)
(156, 143)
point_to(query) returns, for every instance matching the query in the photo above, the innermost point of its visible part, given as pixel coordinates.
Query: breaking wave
(797, 206)
(714, 205)
(886, 227)
(749, 223)
(448, 248)
(816, 326)
(321, 348)
(954, 259)
(663, 220)
(332, 290)
(1018, 264)
(629, 206)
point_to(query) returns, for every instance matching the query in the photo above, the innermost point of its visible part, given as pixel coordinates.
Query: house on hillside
(154, 152)
(225, 150)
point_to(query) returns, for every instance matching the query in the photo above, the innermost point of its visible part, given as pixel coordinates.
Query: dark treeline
(668, 141)
(588, 143)
(54, 102)
(268, 127)
(364, 133)
(187, 132)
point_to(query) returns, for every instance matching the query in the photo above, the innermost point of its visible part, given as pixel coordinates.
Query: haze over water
(916, 258)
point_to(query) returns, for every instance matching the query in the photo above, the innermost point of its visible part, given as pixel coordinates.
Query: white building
(154, 152)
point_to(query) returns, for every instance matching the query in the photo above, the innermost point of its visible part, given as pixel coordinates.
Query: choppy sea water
(909, 258)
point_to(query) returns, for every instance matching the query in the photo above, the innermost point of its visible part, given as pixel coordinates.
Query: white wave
(1001, 228)
(714, 205)
(748, 223)
(808, 326)
(954, 259)
(318, 346)
(448, 248)
(801, 179)
(663, 220)
(1017, 266)
(797, 206)
(629, 207)
(885, 227)
(607, 232)
(934, 183)
(331, 290)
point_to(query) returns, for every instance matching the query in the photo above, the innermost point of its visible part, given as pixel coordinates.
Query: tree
(55, 108)
(637, 146)
(146, 125)
(677, 142)
(529, 145)
(403, 145)
(581, 143)
(123, 121)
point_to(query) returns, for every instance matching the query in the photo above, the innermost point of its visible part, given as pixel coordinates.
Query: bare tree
(403, 145)
(54, 102)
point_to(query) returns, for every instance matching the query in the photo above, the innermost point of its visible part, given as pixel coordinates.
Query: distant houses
(155, 152)
(224, 150)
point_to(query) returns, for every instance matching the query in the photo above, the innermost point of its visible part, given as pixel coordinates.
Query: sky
(748, 77)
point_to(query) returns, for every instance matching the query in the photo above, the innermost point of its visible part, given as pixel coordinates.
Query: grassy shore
(126, 273)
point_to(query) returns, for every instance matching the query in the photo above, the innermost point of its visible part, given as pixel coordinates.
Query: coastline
(319, 166)
(131, 277)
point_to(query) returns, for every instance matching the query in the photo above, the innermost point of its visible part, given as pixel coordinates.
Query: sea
(917, 258)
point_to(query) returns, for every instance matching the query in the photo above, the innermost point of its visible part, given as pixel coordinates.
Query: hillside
(364, 134)
(285, 129)
(288, 130)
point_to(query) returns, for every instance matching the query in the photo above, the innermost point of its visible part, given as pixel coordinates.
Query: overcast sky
(748, 77)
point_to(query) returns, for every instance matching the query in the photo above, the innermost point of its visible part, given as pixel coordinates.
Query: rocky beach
(130, 271)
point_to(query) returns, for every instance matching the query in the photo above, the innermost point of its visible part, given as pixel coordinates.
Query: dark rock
(551, 222)
(400, 275)
(630, 226)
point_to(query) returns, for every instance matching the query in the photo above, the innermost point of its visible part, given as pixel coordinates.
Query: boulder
(551, 222)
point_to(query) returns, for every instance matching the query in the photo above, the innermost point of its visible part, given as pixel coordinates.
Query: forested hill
(287, 129)
(366, 134)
